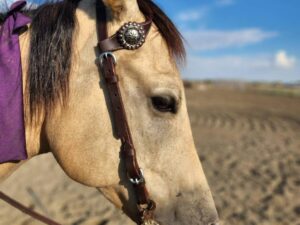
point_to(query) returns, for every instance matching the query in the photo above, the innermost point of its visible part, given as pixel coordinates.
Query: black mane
(50, 54)
(51, 50)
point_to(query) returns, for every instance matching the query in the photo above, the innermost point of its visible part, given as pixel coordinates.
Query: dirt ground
(249, 145)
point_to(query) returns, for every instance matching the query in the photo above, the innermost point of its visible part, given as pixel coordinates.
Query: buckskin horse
(70, 109)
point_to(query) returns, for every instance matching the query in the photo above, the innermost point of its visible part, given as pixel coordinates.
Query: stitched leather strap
(107, 45)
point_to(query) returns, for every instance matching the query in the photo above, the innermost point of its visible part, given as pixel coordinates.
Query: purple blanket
(12, 131)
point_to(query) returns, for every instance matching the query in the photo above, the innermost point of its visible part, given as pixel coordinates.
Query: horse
(67, 111)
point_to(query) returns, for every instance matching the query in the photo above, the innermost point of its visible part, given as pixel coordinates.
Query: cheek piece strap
(130, 36)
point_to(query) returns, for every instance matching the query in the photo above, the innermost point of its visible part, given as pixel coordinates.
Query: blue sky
(238, 39)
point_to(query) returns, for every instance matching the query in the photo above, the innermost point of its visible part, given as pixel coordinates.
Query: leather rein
(130, 36)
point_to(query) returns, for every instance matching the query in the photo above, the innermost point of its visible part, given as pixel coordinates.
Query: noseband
(130, 36)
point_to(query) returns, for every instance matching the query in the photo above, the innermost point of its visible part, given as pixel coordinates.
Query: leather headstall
(130, 36)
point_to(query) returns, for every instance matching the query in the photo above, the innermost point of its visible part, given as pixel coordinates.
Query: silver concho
(131, 36)
(150, 222)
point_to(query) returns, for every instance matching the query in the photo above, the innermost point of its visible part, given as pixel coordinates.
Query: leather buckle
(139, 180)
(105, 55)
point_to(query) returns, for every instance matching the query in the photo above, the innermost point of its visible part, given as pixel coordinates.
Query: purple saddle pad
(12, 130)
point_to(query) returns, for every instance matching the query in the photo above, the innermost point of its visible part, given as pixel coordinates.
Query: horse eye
(164, 103)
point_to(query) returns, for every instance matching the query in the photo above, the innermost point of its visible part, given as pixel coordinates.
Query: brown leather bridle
(130, 36)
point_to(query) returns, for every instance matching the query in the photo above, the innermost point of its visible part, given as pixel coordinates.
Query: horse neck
(36, 143)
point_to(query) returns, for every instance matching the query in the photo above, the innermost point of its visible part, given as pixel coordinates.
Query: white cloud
(205, 39)
(284, 61)
(242, 67)
(193, 15)
(196, 14)
(224, 2)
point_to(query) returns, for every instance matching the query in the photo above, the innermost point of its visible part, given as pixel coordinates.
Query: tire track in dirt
(245, 123)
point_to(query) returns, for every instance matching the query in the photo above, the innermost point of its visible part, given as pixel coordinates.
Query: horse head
(74, 119)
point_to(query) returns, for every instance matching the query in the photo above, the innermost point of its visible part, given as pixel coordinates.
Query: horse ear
(122, 9)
